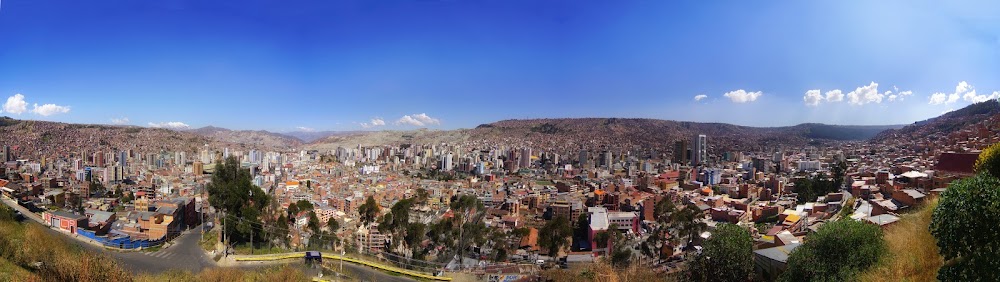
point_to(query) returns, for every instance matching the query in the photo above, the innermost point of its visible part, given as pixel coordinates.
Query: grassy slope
(913, 253)
(602, 271)
(23, 244)
(12, 272)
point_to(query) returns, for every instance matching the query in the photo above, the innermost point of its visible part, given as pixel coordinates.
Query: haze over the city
(362, 65)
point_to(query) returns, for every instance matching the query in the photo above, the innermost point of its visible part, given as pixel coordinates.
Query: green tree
(839, 170)
(582, 225)
(423, 196)
(989, 161)
(553, 235)
(836, 252)
(293, 210)
(466, 203)
(232, 192)
(368, 211)
(965, 226)
(687, 221)
(617, 250)
(398, 217)
(313, 223)
(726, 256)
(304, 205)
(280, 231)
(332, 224)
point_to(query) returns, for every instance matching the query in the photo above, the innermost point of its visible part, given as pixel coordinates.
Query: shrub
(989, 161)
(836, 252)
(965, 226)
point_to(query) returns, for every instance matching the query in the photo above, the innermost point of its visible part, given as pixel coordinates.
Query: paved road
(186, 254)
(364, 273)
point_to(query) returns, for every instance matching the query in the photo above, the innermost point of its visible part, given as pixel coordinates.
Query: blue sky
(349, 65)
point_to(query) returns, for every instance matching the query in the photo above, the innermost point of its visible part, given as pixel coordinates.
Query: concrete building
(699, 154)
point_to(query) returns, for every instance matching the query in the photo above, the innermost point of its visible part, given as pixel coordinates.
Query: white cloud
(417, 120)
(373, 123)
(892, 97)
(904, 94)
(938, 98)
(426, 119)
(15, 104)
(700, 97)
(120, 121)
(742, 96)
(306, 129)
(812, 97)
(407, 120)
(963, 91)
(834, 95)
(49, 109)
(170, 125)
(866, 94)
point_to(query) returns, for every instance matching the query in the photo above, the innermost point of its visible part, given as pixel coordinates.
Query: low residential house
(66, 221)
(302, 219)
(728, 215)
(100, 221)
(771, 262)
(908, 197)
(530, 242)
(172, 218)
(882, 220)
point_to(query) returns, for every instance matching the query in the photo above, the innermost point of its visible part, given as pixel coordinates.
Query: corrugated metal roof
(779, 253)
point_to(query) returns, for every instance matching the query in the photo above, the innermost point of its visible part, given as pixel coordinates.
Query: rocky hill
(252, 138)
(30, 137)
(599, 133)
(985, 114)
(387, 137)
(310, 136)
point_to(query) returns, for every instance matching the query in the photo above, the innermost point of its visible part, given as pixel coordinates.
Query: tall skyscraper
(446, 162)
(681, 152)
(123, 158)
(700, 152)
(6, 153)
(525, 158)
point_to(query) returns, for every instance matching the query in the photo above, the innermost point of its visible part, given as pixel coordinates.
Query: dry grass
(281, 273)
(22, 245)
(604, 272)
(913, 253)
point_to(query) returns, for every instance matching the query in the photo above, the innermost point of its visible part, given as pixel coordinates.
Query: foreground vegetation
(912, 254)
(23, 246)
(605, 272)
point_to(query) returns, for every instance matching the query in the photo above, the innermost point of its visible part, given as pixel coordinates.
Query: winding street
(187, 255)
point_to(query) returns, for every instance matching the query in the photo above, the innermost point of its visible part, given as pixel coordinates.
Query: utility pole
(251, 239)
(225, 248)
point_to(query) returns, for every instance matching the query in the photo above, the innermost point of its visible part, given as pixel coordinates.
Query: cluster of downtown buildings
(520, 186)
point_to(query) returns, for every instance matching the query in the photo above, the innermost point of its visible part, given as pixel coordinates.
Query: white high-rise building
(446, 162)
(699, 153)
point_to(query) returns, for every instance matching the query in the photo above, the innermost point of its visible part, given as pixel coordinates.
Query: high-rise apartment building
(699, 154)
(525, 160)
(681, 152)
